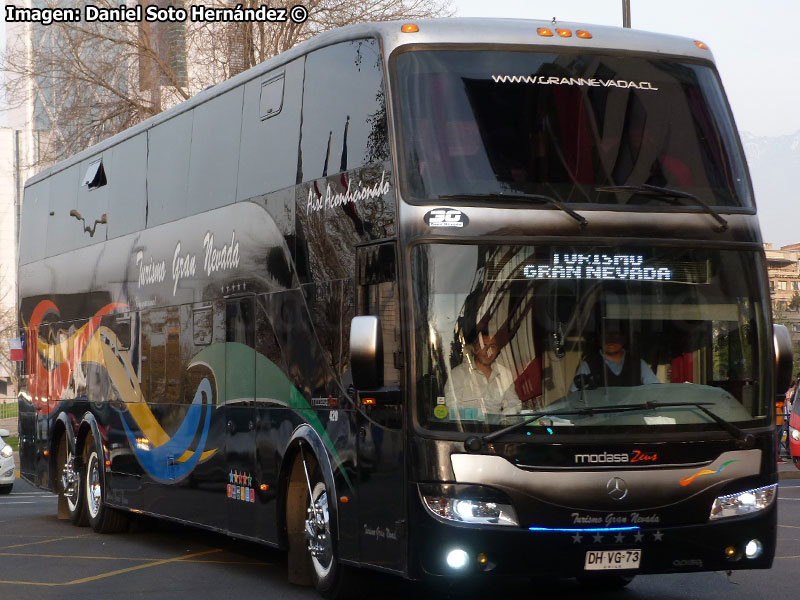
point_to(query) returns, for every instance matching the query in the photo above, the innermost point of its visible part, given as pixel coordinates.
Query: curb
(795, 474)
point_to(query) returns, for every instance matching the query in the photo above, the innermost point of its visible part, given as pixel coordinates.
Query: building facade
(784, 284)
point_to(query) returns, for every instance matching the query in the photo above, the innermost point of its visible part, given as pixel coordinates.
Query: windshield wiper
(535, 197)
(743, 439)
(662, 192)
(474, 442)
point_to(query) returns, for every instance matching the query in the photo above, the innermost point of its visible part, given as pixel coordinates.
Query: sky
(753, 43)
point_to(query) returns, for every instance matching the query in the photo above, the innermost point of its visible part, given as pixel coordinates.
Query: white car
(7, 467)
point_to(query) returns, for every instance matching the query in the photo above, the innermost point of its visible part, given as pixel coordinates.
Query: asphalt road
(42, 558)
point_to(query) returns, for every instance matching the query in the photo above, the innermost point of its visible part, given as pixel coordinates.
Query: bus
(424, 298)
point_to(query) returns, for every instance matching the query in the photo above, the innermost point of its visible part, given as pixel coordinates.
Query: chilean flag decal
(16, 347)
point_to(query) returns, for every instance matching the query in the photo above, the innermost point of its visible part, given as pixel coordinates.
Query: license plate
(605, 560)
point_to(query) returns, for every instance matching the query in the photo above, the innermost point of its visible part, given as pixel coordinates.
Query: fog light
(753, 549)
(482, 559)
(457, 559)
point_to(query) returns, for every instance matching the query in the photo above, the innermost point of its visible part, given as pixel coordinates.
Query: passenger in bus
(608, 368)
(480, 382)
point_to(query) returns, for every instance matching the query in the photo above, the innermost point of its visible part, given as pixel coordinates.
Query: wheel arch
(61, 428)
(90, 427)
(305, 437)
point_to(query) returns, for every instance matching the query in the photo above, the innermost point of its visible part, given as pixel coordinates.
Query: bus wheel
(102, 518)
(332, 579)
(69, 485)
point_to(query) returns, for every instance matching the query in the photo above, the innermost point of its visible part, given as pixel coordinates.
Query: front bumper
(496, 551)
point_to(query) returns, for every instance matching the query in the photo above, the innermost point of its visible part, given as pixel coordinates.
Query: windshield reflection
(505, 331)
(576, 127)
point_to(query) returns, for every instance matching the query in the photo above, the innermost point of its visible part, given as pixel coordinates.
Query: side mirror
(783, 358)
(4, 433)
(366, 352)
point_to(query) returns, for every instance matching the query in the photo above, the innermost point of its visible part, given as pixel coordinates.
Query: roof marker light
(583, 34)
(409, 28)
(564, 32)
(544, 32)
(701, 45)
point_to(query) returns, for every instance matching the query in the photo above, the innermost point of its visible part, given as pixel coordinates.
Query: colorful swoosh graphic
(166, 458)
(164, 462)
(50, 383)
(688, 480)
(96, 344)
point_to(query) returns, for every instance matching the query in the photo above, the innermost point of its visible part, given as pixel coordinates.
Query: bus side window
(239, 321)
(378, 295)
(202, 325)
(344, 109)
(161, 356)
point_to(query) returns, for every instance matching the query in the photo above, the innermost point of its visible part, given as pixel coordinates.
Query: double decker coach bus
(425, 298)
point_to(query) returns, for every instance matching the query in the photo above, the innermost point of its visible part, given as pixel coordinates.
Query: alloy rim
(93, 488)
(70, 481)
(318, 531)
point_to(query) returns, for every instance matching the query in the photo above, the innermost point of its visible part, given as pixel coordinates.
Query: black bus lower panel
(487, 552)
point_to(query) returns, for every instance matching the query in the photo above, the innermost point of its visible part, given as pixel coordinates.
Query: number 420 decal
(446, 217)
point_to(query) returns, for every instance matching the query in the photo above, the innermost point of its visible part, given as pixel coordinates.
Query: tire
(332, 579)
(102, 518)
(6, 489)
(69, 484)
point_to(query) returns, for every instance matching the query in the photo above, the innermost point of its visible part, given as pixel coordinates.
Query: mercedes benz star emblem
(617, 488)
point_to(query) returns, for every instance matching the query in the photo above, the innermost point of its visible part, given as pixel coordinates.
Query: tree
(8, 329)
(794, 303)
(87, 81)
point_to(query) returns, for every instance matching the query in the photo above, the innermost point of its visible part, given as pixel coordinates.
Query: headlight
(7, 451)
(475, 505)
(743, 503)
(795, 433)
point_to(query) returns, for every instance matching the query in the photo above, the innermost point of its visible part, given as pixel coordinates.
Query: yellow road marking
(68, 537)
(141, 559)
(155, 563)
(74, 556)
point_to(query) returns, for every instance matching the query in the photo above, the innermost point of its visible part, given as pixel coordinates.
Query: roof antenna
(554, 21)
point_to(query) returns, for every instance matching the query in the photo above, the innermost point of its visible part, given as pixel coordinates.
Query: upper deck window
(95, 175)
(271, 99)
(571, 126)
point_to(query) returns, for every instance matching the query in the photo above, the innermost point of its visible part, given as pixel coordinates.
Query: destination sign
(627, 267)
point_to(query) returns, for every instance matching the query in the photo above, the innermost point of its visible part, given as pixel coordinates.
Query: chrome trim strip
(648, 488)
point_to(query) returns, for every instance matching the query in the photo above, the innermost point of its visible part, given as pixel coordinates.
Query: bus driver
(480, 382)
(608, 368)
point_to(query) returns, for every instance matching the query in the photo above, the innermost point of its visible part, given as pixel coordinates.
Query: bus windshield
(574, 126)
(507, 331)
